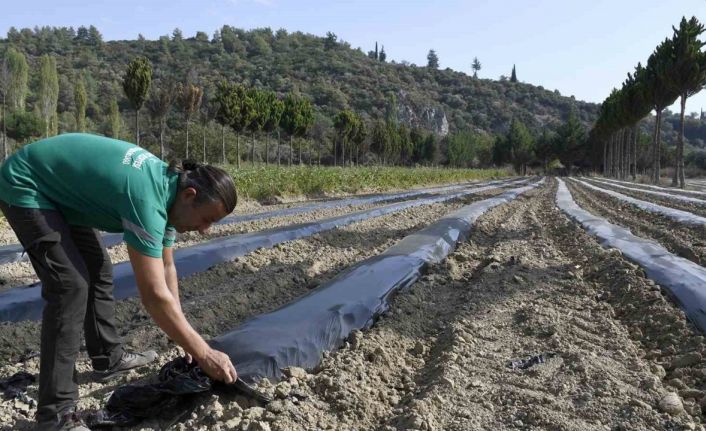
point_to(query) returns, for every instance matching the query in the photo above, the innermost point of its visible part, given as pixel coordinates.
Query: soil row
(683, 240)
(671, 203)
(528, 282)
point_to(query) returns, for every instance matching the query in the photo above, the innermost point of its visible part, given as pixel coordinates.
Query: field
(268, 183)
(617, 351)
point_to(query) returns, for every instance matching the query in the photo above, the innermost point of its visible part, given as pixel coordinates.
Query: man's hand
(217, 365)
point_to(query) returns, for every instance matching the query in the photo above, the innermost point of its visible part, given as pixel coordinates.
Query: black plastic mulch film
(297, 334)
(683, 278)
(26, 303)
(15, 253)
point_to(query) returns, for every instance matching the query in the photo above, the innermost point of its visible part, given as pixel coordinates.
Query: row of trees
(14, 88)
(234, 105)
(676, 69)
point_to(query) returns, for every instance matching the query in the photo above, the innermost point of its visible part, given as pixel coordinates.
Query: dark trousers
(77, 285)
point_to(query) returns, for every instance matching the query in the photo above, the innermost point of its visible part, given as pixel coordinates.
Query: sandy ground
(527, 282)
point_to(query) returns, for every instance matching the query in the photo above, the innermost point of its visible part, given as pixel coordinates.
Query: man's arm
(170, 273)
(166, 312)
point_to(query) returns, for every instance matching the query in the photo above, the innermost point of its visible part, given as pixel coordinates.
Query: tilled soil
(527, 282)
(217, 300)
(686, 241)
(671, 203)
(21, 273)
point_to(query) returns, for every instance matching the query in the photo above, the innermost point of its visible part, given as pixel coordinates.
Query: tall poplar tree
(114, 121)
(17, 78)
(4, 84)
(80, 102)
(48, 93)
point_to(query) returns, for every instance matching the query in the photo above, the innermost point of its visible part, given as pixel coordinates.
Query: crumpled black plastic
(523, 364)
(178, 381)
(177, 384)
(16, 385)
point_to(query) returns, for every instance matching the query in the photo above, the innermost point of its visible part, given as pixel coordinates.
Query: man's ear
(189, 194)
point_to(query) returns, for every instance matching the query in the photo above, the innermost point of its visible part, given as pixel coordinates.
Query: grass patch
(264, 183)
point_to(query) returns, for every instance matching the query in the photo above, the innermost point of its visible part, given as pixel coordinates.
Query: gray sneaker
(127, 362)
(69, 421)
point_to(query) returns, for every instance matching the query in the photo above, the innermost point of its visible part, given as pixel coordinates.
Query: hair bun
(190, 165)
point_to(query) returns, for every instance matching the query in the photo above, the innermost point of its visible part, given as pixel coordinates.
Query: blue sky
(580, 48)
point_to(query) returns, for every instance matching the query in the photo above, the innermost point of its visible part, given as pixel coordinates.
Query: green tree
(136, 84)
(276, 108)
(189, 100)
(80, 102)
(660, 65)
(380, 140)
(688, 78)
(544, 148)
(48, 93)
(570, 139)
(17, 72)
(374, 54)
(297, 119)
(4, 84)
(431, 149)
(475, 66)
(345, 125)
(261, 106)
(159, 105)
(114, 121)
(432, 60)
(330, 41)
(460, 149)
(360, 138)
(521, 145)
(225, 110)
(405, 144)
(383, 55)
(513, 75)
(22, 125)
(243, 115)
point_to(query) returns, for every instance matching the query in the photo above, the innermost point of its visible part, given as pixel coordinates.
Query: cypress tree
(432, 60)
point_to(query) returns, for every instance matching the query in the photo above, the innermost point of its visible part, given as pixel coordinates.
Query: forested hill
(332, 74)
(329, 72)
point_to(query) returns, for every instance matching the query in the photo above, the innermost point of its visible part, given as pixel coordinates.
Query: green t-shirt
(94, 181)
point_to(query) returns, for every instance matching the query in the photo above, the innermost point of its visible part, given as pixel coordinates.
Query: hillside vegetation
(328, 72)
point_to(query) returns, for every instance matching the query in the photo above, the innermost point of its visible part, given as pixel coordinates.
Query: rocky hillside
(329, 71)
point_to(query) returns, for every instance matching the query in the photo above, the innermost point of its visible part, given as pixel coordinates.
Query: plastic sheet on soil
(26, 303)
(683, 278)
(675, 214)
